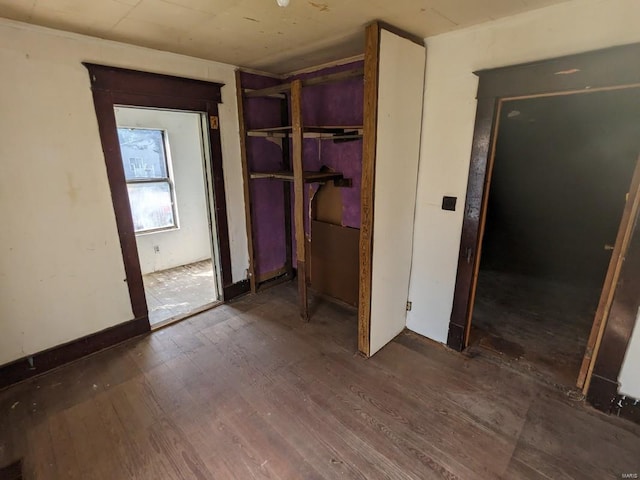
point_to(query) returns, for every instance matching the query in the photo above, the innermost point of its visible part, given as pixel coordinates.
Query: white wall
(61, 269)
(630, 373)
(191, 242)
(449, 112)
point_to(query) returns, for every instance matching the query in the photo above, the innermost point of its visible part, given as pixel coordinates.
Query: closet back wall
(338, 104)
(267, 196)
(333, 104)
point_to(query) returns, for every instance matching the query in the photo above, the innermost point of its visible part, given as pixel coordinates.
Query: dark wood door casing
(113, 86)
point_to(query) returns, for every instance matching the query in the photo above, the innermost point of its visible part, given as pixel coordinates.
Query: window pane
(151, 205)
(143, 153)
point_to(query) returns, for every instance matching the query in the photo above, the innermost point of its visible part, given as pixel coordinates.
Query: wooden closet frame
(369, 134)
(297, 177)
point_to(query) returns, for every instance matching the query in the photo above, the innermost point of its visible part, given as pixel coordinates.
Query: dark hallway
(562, 169)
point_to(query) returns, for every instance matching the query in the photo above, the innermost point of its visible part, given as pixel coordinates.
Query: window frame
(169, 179)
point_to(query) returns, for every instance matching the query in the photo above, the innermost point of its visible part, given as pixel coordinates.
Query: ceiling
(257, 33)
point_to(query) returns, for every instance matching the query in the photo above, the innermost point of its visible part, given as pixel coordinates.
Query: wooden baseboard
(236, 289)
(603, 395)
(275, 281)
(626, 407)
(265, 277)
(51, 358)
(12, 471)
(455, 339)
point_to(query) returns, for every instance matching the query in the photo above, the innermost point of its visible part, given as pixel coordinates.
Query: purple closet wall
(267, 196)
(335, 104)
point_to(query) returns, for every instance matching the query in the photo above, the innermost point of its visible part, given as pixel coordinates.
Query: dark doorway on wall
(561, 172)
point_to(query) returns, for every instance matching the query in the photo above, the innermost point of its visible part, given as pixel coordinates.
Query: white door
(400, 94)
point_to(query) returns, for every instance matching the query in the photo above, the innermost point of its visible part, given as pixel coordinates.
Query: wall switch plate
(449, 203)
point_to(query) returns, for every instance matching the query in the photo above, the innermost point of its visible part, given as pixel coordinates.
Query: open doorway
(559, 180)
(164, 160)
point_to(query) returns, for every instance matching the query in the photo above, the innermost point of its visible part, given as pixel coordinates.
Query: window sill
(157, 230)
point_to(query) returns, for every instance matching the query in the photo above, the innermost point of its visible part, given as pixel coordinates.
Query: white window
(148, 176)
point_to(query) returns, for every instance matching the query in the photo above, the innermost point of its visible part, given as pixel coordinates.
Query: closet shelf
(329, 132)
(309, 177)
(322, 80)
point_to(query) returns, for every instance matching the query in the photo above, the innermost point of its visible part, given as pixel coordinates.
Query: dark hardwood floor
(248, 390)
(542, 325)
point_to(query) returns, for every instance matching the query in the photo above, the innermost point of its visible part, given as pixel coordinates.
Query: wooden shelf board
(309, 177)
(322, 80)
(312, 131)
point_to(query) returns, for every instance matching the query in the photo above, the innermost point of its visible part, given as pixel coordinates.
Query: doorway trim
(607, 69)
(112, 86)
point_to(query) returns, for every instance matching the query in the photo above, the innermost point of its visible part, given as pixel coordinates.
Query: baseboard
(12, 471)
(603, 395)
(626, 407)
(51, 358)
(275, 281)
(455, 338)
(236, 289)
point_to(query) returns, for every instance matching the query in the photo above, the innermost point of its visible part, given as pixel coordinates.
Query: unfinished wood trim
(321, 80)
(246, 187)
(286, 190)
(323, 66)
(334, 77)
(274, 282)
(268, 91)
(51, 358)
(620, 248)
(371, 64)
(253, 71)
(265, 277)
(298, 196)
(288, 176)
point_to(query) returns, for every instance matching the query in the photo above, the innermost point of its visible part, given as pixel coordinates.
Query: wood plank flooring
(541, 324)
(247, 390)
